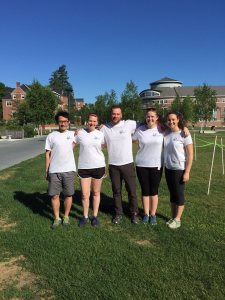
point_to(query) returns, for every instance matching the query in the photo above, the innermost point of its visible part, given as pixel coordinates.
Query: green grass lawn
(115, 261)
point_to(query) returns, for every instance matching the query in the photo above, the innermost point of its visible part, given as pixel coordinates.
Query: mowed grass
(117, 262)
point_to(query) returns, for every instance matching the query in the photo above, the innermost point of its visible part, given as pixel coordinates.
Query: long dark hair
(181, 122)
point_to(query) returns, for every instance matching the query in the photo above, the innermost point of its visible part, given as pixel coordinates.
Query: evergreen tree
(59, 82)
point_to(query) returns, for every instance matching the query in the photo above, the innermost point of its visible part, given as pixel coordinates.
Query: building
(165, 90)
(15, 96)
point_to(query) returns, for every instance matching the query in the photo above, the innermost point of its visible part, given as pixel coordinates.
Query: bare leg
(96, 188)
(55, 206)
(85, 188)
(153, 204)
(146, 204)
(68, 200)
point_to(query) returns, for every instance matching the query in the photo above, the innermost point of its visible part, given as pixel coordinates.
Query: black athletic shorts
(96, 173)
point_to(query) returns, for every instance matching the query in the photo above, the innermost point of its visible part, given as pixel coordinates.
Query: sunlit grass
(117, 262)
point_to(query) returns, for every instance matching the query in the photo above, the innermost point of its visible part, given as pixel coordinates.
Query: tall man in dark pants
(118, 137)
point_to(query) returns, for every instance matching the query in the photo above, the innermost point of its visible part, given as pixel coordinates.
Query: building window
(22, 96)
(8, 103)
(14, 96)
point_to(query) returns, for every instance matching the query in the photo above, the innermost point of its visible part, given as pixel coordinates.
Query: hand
(47, 176)
(186, 131)
(77, 131)
(186, 176)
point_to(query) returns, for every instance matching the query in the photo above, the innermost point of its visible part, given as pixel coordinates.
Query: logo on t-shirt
(68, 137)
(122, 131)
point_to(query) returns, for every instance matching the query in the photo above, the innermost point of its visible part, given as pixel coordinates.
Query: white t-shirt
(61, 146)
(90, 155)
(174, 150)
(119, 142)
(150, 153)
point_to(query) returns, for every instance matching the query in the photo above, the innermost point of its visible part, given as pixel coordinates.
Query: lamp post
(68, 92)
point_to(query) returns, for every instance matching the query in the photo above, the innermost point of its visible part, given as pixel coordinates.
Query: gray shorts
(61, 182)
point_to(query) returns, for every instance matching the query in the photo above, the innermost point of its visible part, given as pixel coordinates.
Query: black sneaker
(135, 219)
(83, 222)
(116, 219)
(94, 221)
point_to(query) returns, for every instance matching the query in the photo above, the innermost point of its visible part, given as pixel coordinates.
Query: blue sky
(106, 43)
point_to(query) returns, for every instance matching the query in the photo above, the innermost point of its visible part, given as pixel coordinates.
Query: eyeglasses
(62, 122)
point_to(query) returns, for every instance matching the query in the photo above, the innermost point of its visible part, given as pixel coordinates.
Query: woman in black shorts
(91, 167)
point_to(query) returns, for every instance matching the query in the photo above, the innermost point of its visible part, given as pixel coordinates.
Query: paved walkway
(15, 151)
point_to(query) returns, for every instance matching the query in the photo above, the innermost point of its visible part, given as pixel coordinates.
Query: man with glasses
(60, 167)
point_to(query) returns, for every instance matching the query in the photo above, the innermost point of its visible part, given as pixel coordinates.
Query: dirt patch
(145, 243)
(7, 175)
(13, 274)
(6, 225)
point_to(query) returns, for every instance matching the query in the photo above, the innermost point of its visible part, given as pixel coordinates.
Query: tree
(103, 105)
(42, 104)
(2, 94)
(188, 109)
(205, 103)
(131, 103)
(84, 111)
(177, 104)
(59, 81)
(23, 113)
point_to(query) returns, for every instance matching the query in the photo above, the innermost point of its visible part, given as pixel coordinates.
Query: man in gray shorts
(60, 167)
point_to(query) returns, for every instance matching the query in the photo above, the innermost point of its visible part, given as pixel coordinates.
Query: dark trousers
(117, 175)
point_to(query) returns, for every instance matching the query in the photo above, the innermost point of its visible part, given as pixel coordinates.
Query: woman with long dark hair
(178, 158)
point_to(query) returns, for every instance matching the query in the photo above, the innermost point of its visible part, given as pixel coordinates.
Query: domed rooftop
(165, 82)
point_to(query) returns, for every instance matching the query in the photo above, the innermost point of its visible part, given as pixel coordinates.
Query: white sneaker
(174, 224)
(170, 221)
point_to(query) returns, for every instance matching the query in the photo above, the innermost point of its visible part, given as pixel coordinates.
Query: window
(22, 96)
(8, 103)
(14, 96)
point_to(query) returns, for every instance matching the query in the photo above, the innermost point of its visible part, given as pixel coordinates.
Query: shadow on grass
(40, 203)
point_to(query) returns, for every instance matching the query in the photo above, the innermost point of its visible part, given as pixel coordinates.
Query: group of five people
(158, 145)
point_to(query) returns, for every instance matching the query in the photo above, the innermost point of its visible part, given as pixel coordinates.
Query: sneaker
(94, 221)
(175, 224)
(153, 220)
(145, 219)
(56, 223)
(116, 219)
(83, 221)
(135, 219)
(66, 221)
(170, 221)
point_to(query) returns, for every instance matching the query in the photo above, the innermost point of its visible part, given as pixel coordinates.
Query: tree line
(41, 103)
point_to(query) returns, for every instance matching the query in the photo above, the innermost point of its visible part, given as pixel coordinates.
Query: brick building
(165, 90)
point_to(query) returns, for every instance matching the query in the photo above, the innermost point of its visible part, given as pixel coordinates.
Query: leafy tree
(131, 103)
(205, 103)
(103, 105)
(188, 109)
(42, 104)
(161, 111)
(2, 94)
(177, 104)
(23, 113)
(59, 82)
(84, 111)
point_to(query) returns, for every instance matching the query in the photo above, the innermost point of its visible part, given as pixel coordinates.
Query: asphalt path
(13, 152)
